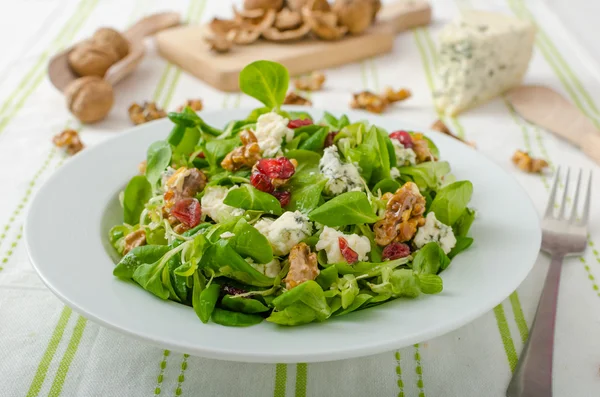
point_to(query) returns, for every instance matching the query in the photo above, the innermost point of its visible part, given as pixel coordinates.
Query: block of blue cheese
(481, 55)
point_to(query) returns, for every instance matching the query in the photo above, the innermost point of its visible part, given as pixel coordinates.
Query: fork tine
(588, 199)
(573, 216)
(563, 204)
(550, 206)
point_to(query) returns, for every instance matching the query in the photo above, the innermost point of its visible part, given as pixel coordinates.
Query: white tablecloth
(46, 349)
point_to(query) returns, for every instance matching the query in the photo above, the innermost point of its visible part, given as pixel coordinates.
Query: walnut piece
(369, 101)
(403, 215)
(393, 96)
(220, 44)
(68, 139)
(89, 98)
(294, 99)
(113, 38)
(134, 239)
(527, 163)
(263, 4)
(145, 112)
(244, 156)
(421, 148)
(303, 266)
(287, 19)
(312, 82)
(92, 58)
(324, 24)
(195, 104)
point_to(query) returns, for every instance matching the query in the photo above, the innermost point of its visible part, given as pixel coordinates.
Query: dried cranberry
(403, 137)
(201, 155)
(348, 253)
(262, 182)
(187, 211)
(396, 251)
(299, 123)
(330, 138)
(283, 196)
(230, 290)
(280, 168)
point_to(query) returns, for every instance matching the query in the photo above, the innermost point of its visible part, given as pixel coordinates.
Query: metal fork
(562, 235)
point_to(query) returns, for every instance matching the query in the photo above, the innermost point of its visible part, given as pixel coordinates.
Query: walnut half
(312, 82)
(403, 215)
(527, 163)
(303, 266)
(244, 156)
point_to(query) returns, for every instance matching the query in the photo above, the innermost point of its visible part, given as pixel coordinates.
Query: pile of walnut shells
(290, 20)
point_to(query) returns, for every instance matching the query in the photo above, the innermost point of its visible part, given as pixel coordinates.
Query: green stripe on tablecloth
(67, 359)
(301, 379)
(42, 72)
(280, 380)
(161, 373)
(42, 369)
(507, 341)
(519, 316)
(44, 56)
(181, 378)
(419, 371)
(400, 382)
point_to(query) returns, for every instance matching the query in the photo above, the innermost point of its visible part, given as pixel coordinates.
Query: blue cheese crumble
(286, 231)
(329, 241)
(404, 156)
(341, 177)
(213, 206)
(434, 230)
(271, 130)
(481, 55)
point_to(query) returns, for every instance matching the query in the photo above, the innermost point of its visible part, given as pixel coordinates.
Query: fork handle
(533, 375)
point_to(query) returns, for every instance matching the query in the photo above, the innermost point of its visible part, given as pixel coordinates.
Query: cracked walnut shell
(527, 163)
(403, 215)
(145, 112)
(92, 58)
(89, 98)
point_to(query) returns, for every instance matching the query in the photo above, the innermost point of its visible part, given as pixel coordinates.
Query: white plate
(66, 235)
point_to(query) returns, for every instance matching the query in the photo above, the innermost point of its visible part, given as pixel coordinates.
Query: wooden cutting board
(185, 47)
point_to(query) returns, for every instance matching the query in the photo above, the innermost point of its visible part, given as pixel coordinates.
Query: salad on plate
(285, 218)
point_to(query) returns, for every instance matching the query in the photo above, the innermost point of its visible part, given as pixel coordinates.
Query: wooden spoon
(547, 108)
(61, 74)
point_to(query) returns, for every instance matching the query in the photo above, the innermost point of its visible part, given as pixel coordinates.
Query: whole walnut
(91, 58)
(89, 98)
(115, 39)
(356, 15)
